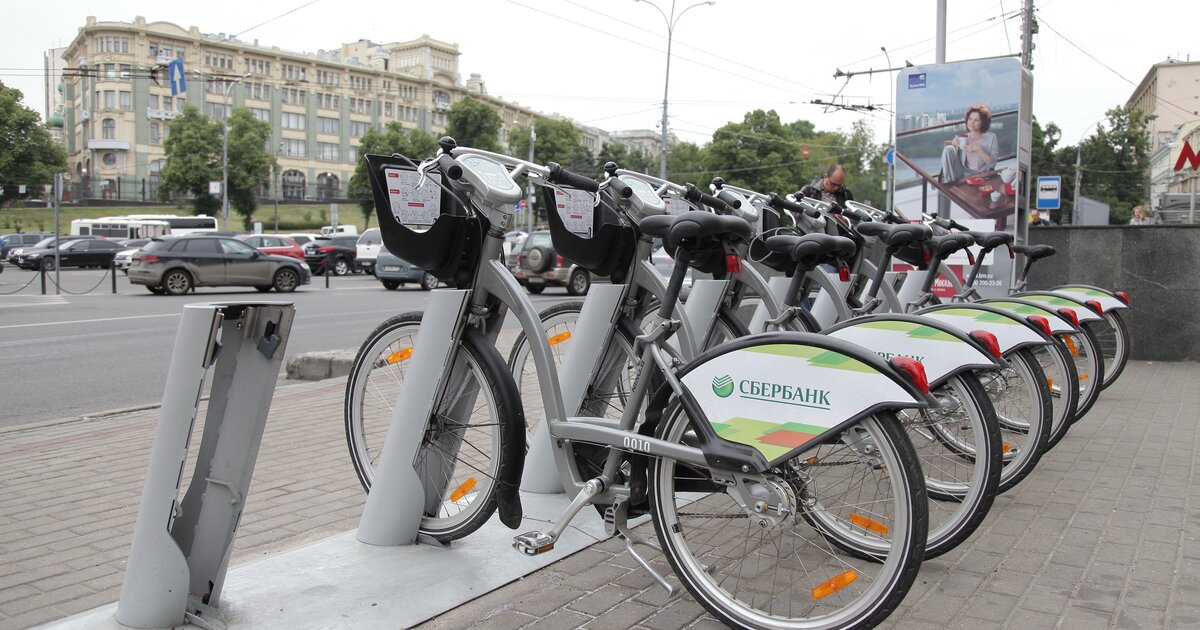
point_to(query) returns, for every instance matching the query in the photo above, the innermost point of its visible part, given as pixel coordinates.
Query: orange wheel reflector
(834, 584)
(1006, 448)
(1082, 376)
(462, 490)
(1050, 383)
(1071, 345)
(811, 460)
(400, 355)
(868, 524)
(559, 338)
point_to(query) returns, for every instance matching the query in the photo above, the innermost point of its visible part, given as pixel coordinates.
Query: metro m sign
(1188, 155)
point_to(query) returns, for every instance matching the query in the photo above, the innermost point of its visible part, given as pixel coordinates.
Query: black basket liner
(609, 252)
(449, 249)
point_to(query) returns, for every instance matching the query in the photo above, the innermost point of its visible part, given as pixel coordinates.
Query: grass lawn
(292, 217)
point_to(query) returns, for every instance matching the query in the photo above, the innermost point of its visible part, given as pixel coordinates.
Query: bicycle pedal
(533, 543)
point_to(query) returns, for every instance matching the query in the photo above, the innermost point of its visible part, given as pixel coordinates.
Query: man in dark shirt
(830, 187)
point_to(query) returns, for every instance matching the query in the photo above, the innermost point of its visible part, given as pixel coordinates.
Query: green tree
(250, 163)
(414, 144)
(1116, 162)
(27, 154)
(557, 141)
(626, 159)
(759, 153)
(474, 124)
(685, 162)
(193, 152)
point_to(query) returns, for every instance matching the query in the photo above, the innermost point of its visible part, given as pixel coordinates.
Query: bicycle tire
(1089, 365)
(1058, 368)
(1114, 344)
(832, 598)
(559, 324)
(478, 472)
(1021, 398)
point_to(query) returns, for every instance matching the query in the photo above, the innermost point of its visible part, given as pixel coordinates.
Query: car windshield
(46, 242)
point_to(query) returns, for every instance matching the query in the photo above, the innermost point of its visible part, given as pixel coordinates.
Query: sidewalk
(1105, 533)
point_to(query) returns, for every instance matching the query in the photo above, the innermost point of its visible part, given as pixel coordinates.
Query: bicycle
(696, 460)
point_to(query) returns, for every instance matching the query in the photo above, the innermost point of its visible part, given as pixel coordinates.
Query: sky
(603, 64)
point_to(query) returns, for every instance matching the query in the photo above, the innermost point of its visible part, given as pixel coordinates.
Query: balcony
(161, 114)
(118, 145)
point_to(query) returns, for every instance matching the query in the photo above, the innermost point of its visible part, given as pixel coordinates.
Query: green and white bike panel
(783, 393)
(1107, 299)
(1058, 323)
(1082, 311)
(1011, 331)
(942, 349)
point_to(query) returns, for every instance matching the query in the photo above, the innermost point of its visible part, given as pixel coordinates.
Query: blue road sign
(1049, 192)
(178, 83)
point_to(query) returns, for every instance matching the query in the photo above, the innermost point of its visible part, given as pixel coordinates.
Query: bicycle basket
(594, 237)
(429, 226)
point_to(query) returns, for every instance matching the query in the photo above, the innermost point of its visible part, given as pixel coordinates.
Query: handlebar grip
(729, 198)
(779, 203)
(560, 175)
(857, 215)
(893, 219)
(449, 166)
(693, 194)
(620, 188)
(958, 226)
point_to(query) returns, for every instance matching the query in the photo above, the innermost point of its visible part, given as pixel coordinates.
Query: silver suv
(539, 266)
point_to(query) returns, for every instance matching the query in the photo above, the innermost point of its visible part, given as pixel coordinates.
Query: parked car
(11, 242)
(394, 272)
(367, 249)
(177, 265)
(539, 266)
(339, 251)
(303, 238)
(273, 244)
(124, 258)
(77, 253)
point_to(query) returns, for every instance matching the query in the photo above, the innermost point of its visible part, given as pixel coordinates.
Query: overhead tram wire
(1006, 16)
(285, 14)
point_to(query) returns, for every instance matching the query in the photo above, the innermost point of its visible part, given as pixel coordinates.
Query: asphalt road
(71, 355)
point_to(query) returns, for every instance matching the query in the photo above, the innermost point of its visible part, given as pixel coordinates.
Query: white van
(341, 230)
(368, 247)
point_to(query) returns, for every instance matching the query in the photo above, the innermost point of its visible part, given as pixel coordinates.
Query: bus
(120, 227)
(181, 225)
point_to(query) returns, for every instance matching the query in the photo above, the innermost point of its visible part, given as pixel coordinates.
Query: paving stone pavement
(1105, 533)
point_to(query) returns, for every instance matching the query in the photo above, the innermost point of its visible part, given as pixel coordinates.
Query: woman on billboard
(974, 152)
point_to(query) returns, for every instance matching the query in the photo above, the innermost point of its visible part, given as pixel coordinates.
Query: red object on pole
(804, 153)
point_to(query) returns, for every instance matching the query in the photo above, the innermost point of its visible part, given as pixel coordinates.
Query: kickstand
(616, 523)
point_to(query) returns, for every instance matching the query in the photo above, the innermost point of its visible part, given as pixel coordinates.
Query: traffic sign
(1049, 192)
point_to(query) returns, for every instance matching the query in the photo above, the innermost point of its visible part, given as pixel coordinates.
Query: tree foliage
(193, 152)
(474, 124)
(557, 141)
(27, 154)
(250, 164)
(625, 158)
(414, 144)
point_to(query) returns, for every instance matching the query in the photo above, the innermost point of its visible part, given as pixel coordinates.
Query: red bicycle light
(913, 370)
(1095, 306)
(843, 273)
(1123, 296)
(1070, 315)
(970, 257)
(1042, 323)
(733, 263)
(988, 340)
(927, 254)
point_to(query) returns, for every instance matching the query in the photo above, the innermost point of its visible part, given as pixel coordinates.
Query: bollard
(328, 268)
(42, 273)
(112, 268)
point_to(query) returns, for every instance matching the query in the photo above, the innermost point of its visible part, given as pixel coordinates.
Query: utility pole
(1028, 28)
(940, 46)
(529, 186)
(891, 152)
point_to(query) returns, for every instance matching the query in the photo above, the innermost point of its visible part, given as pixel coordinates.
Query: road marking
(89, 321)
(38, 300)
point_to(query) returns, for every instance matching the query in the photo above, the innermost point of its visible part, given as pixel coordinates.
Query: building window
(154, 134)
(109, 129)
(261, 114)
(327, 151)
(289, 72)
(126, 100)
(328, 77)
(110, 159)
(328, 125)
(352, 154)
(215, 111)
(327, 186)
(292, 96)
(387, 109)
(153, 101)
(327, 101)
(358, 129)
(291, 120)
(292, 147)
(110, 71)
(292, 183)
(110, 99)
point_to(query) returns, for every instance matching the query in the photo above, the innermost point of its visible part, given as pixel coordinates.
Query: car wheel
(391, 285)
(156, 290)
(286, 280)
(538, 259)
(579, 283)
(341, 267)
(429, 282)
(48, 264)
(535, 288)
(177, 282)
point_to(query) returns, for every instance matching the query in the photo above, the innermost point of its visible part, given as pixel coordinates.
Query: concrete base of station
(341, 582)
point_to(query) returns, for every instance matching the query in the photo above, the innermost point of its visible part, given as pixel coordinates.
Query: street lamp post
(891, 158)
(1075, 216)
(670, 21)
(277, 169)
(225, 153)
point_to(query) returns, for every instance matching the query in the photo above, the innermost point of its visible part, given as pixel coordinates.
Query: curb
(318, 366)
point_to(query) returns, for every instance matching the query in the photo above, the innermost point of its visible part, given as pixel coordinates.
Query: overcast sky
(602, 64)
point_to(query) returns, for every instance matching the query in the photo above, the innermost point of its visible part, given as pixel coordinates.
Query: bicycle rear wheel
(1089, 367)
(1059, 369)
(793, 575)
(1021, 397)
(1113, 343)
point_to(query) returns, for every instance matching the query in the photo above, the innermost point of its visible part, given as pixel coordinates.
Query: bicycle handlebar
(693, 194)
(559, 175)
(780, 203)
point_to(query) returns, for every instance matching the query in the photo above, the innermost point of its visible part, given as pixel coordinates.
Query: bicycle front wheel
(1113, 343)
(1021, 397)
(793, 575)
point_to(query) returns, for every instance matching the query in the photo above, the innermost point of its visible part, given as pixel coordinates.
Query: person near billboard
(976, 151)
(1140, 217)
(830, 187)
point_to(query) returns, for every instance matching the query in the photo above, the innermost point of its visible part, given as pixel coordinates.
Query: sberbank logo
(784, 394)
(722, 386)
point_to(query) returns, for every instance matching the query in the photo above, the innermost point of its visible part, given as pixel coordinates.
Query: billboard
(963, 135)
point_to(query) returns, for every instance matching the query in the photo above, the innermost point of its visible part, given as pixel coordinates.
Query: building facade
(115, 112)
(1170, 92)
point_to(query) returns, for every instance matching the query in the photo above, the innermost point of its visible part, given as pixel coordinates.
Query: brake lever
(422, 169)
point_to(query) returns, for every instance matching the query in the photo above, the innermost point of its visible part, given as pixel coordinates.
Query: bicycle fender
(784, 393)
(1025, 308)
(1082, 292)
(1012, 331)
(508, 494)
(1082, 311)
(944, 350)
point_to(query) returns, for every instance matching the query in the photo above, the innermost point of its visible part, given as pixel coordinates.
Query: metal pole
(1078, 174)
(57, 230)
(1027, 34)
(662, 171)
(1192, 205)
(529, 186)
(891, 127)
(940, 46)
